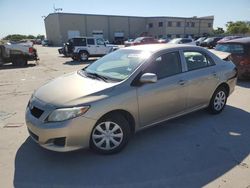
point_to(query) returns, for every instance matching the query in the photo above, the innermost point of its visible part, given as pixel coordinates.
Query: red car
(144, 40)
(240, 54)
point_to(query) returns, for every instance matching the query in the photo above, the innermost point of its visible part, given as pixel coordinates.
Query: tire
(19, 62)
(102, 141)
(218, 100)
(83, 56)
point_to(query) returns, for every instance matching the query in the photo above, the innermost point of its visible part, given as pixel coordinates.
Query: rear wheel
(218, 100)
(19, 62)
(110, 135)
(83, 56)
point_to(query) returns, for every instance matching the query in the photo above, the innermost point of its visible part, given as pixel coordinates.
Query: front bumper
(62, 136)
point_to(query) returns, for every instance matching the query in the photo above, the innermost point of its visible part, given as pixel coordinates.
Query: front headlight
(67, 113)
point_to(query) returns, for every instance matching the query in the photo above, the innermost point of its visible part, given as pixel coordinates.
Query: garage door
(73, 33)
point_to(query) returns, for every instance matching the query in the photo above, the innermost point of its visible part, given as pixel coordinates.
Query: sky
(26, 16)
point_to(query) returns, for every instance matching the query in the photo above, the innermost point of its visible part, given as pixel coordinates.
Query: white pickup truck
(17, 53)
(81, 48)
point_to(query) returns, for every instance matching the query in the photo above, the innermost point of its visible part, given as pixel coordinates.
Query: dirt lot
(192, 151)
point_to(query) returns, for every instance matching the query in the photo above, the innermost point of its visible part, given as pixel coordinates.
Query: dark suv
(210, 42)
(240, 54)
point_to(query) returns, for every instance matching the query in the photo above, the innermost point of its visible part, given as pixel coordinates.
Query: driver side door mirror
(148, 78)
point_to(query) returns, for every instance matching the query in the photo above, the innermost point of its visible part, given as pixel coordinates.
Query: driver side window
(165, 65)
(100, 42)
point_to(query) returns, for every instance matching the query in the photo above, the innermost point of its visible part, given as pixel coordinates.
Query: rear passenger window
(80, 41)
(197, 60)
(91, 41)
(166, 65)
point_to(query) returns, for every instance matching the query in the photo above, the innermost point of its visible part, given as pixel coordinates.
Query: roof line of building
(173, 17)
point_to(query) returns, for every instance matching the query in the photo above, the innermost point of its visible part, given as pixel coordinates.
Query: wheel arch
(226, 86)
(83, 50)
(127, 115)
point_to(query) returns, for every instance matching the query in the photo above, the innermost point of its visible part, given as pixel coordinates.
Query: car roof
(153, 48)
(245, 40)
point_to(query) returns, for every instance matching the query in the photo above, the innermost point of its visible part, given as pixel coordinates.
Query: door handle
(182, 82)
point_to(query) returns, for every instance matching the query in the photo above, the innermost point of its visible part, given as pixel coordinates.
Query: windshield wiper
(91, 74)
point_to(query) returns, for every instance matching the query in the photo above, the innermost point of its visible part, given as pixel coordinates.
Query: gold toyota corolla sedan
(102, 105)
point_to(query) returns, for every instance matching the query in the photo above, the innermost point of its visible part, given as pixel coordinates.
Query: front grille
(34, 136)
(36, 112)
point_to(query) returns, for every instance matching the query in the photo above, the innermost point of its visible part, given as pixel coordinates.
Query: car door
(165, 98)
(201, 78)
(91, 46)
(101, 48)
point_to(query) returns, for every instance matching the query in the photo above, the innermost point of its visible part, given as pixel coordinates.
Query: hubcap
(107, 135)
(84, 56)
(220, 100)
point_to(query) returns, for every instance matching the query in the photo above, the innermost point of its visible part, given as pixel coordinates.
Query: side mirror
(148, 78)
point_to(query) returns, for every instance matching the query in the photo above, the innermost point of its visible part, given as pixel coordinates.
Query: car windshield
(118, 65)
(175, 41)
(201, 39)
(138, 39)
(209, 40)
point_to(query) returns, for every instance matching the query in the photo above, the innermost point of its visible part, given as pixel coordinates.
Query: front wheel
(218, 100)
(110, 135)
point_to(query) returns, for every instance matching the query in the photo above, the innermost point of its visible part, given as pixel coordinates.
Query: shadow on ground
(79, 62)
(10, 66)
(244, 83)
(190, 151)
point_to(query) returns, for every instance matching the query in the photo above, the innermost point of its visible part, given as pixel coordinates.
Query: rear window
(231, 48)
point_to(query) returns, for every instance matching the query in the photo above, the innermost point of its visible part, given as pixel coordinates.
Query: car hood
(73, 89)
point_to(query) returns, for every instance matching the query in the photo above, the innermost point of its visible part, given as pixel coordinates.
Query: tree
(218, 31)
(238, 27)
(18, 37)
(42, 37)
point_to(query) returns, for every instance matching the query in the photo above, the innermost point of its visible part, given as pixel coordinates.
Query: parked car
(102, 105)
(81, 48)
(17, 53)
(228, 38)
(200, 40)
(183, 41)
(240, 54)
(210, 42)
(46, 42)
(144, 40)
(128, 42)
(163, 40)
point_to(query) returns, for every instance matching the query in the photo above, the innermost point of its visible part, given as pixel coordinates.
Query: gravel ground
(197, 150)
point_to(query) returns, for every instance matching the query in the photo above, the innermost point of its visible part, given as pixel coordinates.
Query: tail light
(31, 50)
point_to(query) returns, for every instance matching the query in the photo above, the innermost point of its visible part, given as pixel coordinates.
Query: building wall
(178, 27)
(53, 32)
(96, 23)
(137, 26)
(118, 24)
(71, 22)
(58, 24)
